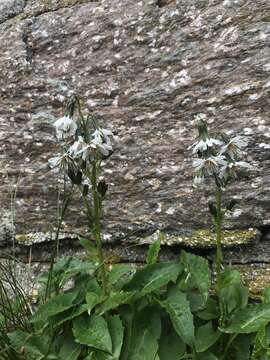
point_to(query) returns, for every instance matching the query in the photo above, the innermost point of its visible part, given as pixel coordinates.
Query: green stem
(218, 224)
(88, 208)
(66, 202)
(97, 229)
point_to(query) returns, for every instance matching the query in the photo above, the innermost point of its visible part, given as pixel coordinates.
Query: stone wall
(147, 68)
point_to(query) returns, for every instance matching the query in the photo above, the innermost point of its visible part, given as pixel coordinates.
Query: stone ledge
(204, 239)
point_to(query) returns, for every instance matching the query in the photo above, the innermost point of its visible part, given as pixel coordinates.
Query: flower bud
(75, 175)
(102, 188)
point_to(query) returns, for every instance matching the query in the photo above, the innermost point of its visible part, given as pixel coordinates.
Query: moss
(203, 238)
(40, 237)
(255, 276)
(229, 237)
(22, 238)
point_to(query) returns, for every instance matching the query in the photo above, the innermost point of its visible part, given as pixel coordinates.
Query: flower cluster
(217, 157)
(82, 143)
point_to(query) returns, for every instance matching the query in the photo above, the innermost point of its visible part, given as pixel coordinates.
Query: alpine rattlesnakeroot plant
(157, 311)
(219, 158)
(84, 145)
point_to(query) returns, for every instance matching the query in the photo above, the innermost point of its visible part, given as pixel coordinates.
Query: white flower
(198, 180)
(65, 128)
(234, 146)
(203, 145)
(200, 117)
(232, 168)
(243, 164)
(209, 165)
(80, 149)
(102, 141)
(61, 161)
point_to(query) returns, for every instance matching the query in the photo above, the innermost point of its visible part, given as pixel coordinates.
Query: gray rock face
(147, 68)
(10, 8)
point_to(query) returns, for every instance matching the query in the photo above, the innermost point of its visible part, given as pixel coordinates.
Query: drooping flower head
(62, 161)
(102, 141)
(84, 145)
(205, 143)
(217, 158)
(233, 147)
(66, 128)
(80, 149)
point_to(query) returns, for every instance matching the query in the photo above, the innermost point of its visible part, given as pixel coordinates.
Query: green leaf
(171, 347)
(206, 337)
(266, 296)
(242, 346)
(153, 277)
(230, 276)
(150, 318)
(178, 308)
(196, 300)
(211, 310)
(55, 305)
(145, 332)
(248, 320)
(92, 299)
(90, 247)
(234, 296)
(208, 356)
(91, 285)
(144, 346)
(67, 315)
(117, 334)
(69, 349)
(197, 268)
(97, 355)
(120, 275)
(78, 266)
(153, 252)
(36, 347)
(92, 331)
(115, 300)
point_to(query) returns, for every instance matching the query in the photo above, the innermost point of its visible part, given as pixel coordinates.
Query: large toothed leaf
(115, 300)
(120, 275)
(206, 336)
(145, 346)
(197, 269)
(248, 320)
(35, 346)
(92, 331)
(178, 308)
(153, 277)
(70, 350)
(117, 335)
(54, 306)
(171, 346)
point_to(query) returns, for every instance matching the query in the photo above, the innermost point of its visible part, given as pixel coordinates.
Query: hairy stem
(97, 229)
(218, 224)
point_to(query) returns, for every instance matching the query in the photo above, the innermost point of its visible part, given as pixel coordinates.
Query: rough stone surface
(146, 68)
(10, 8)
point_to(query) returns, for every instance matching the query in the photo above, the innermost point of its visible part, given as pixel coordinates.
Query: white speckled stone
(207, 56)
